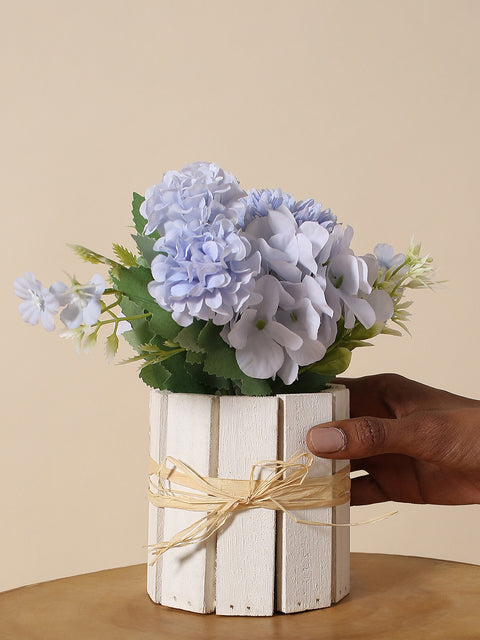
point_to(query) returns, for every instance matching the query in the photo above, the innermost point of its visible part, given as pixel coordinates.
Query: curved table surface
(391, 597)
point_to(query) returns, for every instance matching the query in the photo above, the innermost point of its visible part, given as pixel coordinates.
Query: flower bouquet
(241, 307)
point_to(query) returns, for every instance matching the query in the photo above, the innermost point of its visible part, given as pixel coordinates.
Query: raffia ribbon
(286, 488)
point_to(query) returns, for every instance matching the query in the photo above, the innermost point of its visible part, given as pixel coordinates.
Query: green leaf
(220, 361)
(111, 346)
(140, 333)
(188, 336)
(145, 246)
(334, 362)
(180, 380)
(193, 357)
(87, 255)
(90, 341)
(308, 382)
(392, 332)
(133, 283)
(155, 376)
(138, 220)
(220, 358)
(255, 386)
(353, 344)
(125, 256)
(212, 384)
(360, 333)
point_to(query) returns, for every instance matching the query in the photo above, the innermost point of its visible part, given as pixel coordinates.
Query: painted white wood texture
(304, 556)
(341, 514)
(158, 429)
(260, 551)
(248, 430)
(188, 574)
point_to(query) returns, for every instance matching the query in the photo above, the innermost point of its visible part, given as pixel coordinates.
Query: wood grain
(304, 553)
(158, 430)
(188, 574)
(246, 547)
(341, 514)
(392, 597)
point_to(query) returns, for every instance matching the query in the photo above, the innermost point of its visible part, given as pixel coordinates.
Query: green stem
(110, 306)
(127, 319)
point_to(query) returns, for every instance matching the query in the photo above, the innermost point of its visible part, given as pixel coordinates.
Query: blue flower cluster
(276, 273)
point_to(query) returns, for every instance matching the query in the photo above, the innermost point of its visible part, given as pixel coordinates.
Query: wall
(371, 107)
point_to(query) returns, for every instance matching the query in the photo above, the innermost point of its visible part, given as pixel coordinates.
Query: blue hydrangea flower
(258, 338)
(200, 191)
(288, 249)
(260, 202)
(311, 211)
(205, 271)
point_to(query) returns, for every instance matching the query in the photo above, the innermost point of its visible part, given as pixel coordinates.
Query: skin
(417, 444)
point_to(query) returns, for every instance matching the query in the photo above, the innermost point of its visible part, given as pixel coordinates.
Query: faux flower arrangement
(233, 292)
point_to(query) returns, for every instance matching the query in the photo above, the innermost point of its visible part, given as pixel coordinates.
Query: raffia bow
(286, 488)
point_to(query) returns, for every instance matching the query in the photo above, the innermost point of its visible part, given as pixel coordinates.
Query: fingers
(368, 396)
(369, 436)
(365, 490)
(389, 395)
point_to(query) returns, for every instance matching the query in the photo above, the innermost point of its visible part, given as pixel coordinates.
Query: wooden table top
(392, 597)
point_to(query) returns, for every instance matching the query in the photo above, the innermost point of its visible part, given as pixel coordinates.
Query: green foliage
(308, 382)
(212, 384)
(87, 255)
(194, 357)
(220, 361)
(180, 379)
(155, 376)
(133, 283)
(360, 333)
(138, 220)
(255, 386)
(334, 362)
(141, 332)
(188, 337)
(125, 256)
(111, 346)
(145, 246)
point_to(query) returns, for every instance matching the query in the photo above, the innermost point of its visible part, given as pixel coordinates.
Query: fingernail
(327, 439)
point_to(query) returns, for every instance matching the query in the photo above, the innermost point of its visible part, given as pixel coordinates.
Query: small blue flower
(38, 302)
(386, 258)
(82, 302)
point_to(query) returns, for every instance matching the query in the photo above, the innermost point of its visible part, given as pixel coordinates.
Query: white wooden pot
(261, 561)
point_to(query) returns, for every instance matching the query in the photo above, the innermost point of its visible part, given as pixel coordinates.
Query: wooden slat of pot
(304, 553)
(158, 429)
(341, 514)
(188, 574)
(248, 429)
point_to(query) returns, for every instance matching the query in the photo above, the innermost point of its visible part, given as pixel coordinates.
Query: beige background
(371, 107)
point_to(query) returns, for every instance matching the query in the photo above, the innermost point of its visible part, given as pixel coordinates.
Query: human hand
(418, 444)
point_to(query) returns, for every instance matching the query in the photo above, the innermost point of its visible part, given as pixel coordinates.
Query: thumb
(369, 436)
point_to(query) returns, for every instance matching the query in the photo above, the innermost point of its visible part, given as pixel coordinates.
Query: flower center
(37, 300)
(261, 324)
(338, 282)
